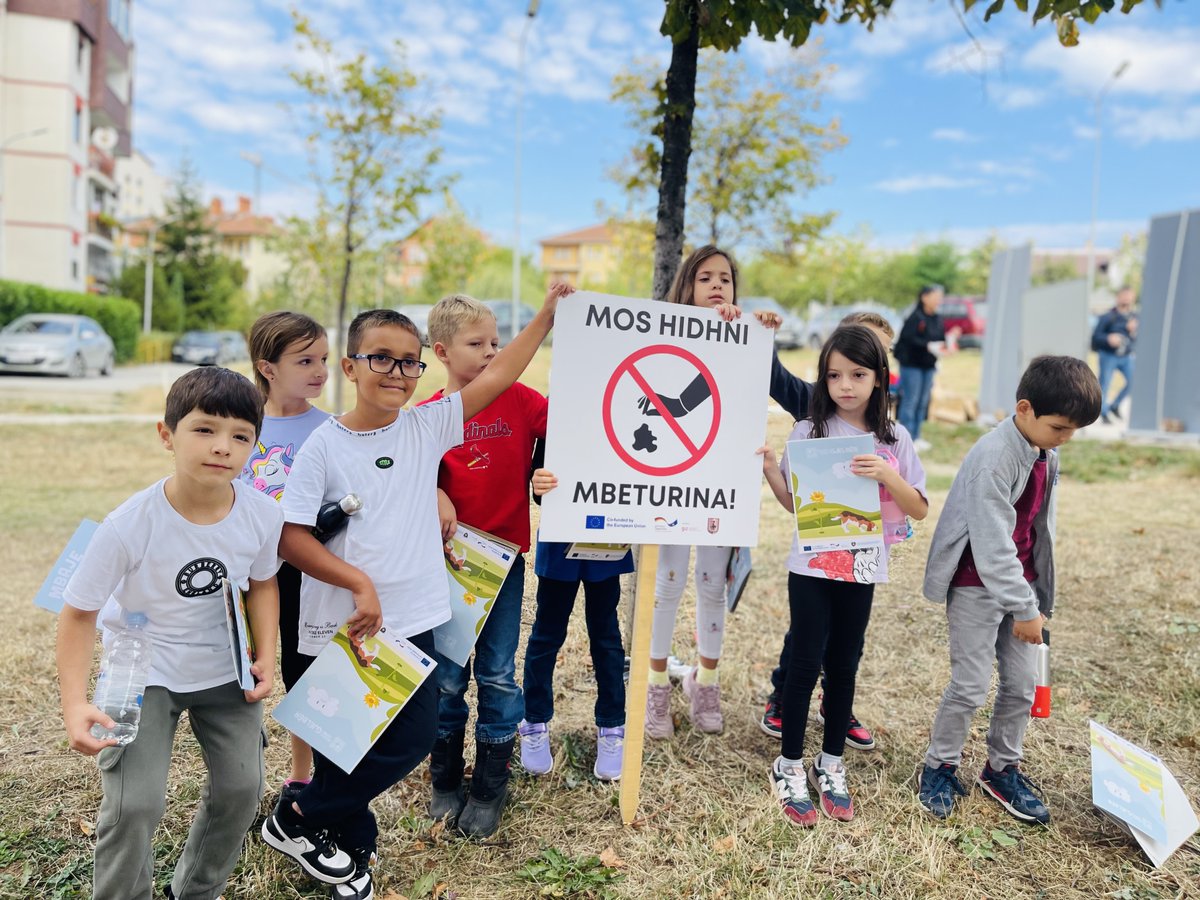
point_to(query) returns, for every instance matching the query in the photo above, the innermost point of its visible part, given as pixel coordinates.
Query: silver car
(55, 344)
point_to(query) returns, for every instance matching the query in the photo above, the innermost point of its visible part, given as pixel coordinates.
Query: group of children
(470, 452)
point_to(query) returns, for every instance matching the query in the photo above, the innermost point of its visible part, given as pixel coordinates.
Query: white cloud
(907, 26)
(1018, 97)
(1042, 234)
(953, 135)
(973, 57)
(846, 83)
(1141, 126)
(1161, 61)
(929, 182)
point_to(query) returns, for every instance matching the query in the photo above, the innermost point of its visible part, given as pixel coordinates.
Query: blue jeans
(555, 600)
(501, 705)
(1109, 363)
(915, 387)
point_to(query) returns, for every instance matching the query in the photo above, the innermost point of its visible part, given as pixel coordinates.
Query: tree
(453, 249)
(1052, 271)
(372, 151)
(756, 148)
(194, 285)
(722, 24)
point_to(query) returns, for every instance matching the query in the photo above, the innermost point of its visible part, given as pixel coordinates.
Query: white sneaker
(659, 723)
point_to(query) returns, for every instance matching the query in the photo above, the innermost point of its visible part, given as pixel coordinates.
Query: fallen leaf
(725, 844)
(419, 845)
(609, 857)
(438, 827)
(85, 827)
(390, 895)
(439, 889)
(1139, 530)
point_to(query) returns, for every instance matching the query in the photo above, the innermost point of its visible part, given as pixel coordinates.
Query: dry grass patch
(1123, 653)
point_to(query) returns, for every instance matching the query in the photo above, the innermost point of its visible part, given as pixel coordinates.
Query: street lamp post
(4, 145)
(148, 284)
(1091, 249)
(516, 250)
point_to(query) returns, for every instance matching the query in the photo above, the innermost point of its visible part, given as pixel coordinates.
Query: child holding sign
(707, 279)
(830, 611)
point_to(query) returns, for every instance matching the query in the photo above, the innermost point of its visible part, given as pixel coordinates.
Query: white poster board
(656, 411)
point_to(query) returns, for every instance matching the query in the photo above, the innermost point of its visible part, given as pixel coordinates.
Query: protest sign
(656, 411)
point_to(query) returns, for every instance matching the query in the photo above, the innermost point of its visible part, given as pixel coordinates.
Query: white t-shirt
(145, 557)
(396, 537)
(868, 565)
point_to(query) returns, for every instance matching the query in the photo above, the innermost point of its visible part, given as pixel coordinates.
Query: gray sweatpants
(134, 777)
(981, 631)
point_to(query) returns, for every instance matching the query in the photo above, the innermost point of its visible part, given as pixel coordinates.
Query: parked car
(419, 313)
(503, 312)
(210, 348)
(790, 334)
(822, 323)
(55, 344)
(969, 315)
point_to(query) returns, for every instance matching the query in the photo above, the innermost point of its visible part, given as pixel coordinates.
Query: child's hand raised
(768, 319)
(556, 291)
(727, 311)
(79, 720)
(544, 481)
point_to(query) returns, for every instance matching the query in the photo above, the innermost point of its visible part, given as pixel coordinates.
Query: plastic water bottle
(123, 673)
(333, 516)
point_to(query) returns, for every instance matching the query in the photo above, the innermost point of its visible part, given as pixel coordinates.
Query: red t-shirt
(1028, 505)
(487, 478)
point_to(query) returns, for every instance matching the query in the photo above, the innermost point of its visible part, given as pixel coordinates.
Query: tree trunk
(677, 147)
(343, 298)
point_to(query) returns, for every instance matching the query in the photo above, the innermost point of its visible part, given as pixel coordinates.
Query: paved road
(123, 379)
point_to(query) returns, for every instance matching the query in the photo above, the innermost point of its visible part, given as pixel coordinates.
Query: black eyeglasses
(382, 364)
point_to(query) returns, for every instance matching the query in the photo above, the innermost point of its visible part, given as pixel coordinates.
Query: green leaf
(423, 886)
(1003, 838)
(996, 6)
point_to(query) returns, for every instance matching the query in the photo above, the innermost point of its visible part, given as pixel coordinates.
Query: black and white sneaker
(360, 886)
(312, 848)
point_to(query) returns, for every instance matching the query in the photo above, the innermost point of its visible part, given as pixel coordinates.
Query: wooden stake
(639, 676)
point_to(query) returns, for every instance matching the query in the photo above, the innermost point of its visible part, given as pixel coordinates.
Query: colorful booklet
(736, 576)
(598, 552)
(352, 692)
(50, 596)
(476, 565)
(1133, 788)
(835, 509)
(241, 638)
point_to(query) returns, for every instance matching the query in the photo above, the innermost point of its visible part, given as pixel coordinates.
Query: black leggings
(829, 620)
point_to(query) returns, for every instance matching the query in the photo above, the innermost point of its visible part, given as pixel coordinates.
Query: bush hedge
(119, 317)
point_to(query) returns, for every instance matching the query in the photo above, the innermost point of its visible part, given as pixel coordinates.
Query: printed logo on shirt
(200, 577)
(474, 431)
(384, 462)
(479, 459)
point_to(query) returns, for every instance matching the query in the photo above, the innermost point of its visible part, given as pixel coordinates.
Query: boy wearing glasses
(486, 484)
(385, 566)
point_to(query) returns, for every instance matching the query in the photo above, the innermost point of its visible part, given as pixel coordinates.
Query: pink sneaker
(658, 712)
(705, 704)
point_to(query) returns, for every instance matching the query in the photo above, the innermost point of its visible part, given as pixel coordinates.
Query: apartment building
(66, 83)
(141, 191)
(583, 258)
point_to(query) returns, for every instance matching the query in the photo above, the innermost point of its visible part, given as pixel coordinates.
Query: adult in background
(1113, 340)
(922, 338)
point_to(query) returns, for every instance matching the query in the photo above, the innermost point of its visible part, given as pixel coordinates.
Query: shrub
(119, 317)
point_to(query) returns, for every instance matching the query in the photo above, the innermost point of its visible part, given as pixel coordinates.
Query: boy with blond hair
(393, 571)
(164, 553)
(485, 483)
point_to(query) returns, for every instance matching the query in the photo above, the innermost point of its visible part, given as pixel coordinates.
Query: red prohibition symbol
(629, 367)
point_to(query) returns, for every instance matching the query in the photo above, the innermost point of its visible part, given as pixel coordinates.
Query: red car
(969, 316)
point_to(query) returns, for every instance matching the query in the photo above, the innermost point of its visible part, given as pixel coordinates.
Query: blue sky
(949, 136)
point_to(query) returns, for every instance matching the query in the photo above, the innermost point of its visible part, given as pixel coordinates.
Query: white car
(55, 344)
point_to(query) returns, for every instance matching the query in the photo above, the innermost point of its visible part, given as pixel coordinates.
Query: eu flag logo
(504, 556)
(594, 522)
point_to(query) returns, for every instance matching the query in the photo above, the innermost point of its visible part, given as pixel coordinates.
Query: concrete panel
(1167, 369)
(1054, 320)
(1007, 284)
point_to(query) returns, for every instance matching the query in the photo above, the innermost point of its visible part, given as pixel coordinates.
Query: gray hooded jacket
(980, 509)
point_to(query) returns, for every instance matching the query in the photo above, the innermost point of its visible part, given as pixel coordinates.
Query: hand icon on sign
(693, 395)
